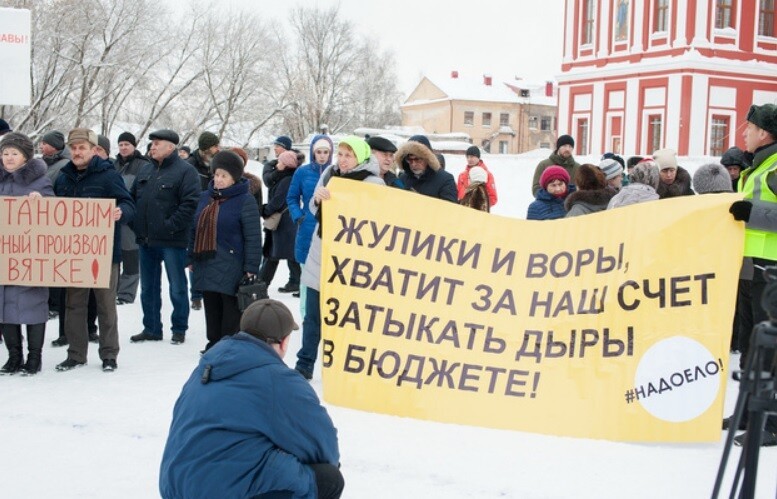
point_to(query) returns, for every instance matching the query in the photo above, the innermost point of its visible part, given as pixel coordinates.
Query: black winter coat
(238, 240)
(166, 196)
(284, 237)
(100, 180)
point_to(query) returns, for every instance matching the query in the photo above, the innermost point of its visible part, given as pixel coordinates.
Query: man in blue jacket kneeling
(246, 425)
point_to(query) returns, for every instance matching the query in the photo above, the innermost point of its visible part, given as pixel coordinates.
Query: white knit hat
(477, 174)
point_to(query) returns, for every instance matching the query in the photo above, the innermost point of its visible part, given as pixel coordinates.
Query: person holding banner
(89, 176)
(354, 162)
(23, 175)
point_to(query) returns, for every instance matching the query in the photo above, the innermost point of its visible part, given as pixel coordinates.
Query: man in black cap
(54, 152)
(734, 161)
(207, 147)
(128, 163)
(246, 425)
(185, 152)
(561, 156)
(166, 192)
(758, 186)
(383, 151)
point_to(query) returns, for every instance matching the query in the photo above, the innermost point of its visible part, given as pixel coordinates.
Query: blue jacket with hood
(245, 424)
(303, 184)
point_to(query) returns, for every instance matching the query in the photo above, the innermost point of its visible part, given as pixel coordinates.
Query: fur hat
(610, 168)
(284, 142)
(589, 178)
(666, 158)
(165, 134)
(645, 172)
(105, 143)
(229, 162)
(477, 174)
(55, 139)
(20, 142)
(734, 157)
(421, 139)
(269, 320)
(378, 143)
(206, 140)
(764, 117)
(473, 151)
(240, 152)
(359, 147)
(712, 178)
(288, 159)
(553, 173)
(128, 137)
(86, 134)
(565, 140)
(419, 150)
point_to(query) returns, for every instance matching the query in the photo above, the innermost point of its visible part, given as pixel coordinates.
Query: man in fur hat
(422, 173)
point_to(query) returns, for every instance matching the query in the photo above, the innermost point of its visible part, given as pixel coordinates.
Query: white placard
(15, 49)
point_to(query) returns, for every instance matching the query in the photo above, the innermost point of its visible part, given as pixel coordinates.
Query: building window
(655, 123)
(486, 119)
(660, 15)
(615, 132)
(766, 18)
(546, 122)
(485, 144)
(544, 145)
(469, 118)
(724, 17)
(504, 119)
(582, 137)
(622, 21)
(718, 135)
(502, 147)
(588, 22)
(533, 122)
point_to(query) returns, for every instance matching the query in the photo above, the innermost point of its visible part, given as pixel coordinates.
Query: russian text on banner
(56, 242)
(614, 325)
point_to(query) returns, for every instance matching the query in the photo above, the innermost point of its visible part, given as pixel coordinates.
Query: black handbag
(250, 290)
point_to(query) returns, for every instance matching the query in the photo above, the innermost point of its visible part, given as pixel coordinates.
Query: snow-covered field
(86, 433)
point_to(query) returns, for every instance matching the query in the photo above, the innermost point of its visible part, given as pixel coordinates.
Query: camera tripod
(756, 395)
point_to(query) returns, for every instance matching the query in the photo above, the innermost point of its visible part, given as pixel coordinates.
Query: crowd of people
(202, 211)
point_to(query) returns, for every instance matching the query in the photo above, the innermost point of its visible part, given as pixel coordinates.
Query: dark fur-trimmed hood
(597, 197)
(31, 171)
(680, 187)
(416, 149)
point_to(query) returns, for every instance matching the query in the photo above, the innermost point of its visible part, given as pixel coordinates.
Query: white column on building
(639, 8)
(631, 117)
(673, 97)
(598, 118)
(570, 31)
(702, 22)
(604, 28)
(679, 23)
(699, 125)
(562, 124)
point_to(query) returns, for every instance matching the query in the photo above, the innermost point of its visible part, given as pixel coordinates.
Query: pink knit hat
(288, 159)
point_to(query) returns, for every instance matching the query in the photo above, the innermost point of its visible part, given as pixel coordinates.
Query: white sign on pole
(15, 49)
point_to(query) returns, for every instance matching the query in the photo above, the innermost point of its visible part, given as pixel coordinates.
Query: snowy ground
(86, 433)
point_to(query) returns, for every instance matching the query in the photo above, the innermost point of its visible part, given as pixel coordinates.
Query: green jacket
(569, 164)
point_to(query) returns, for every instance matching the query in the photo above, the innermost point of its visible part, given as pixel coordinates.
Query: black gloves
(741, 210)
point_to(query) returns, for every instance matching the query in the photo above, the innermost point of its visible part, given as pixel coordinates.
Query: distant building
(500, 117)
(641, 75)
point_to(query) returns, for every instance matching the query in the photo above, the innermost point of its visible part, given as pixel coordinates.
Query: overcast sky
(504, 38)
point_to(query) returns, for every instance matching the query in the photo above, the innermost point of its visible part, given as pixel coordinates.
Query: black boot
(12, 334)
(35, 335)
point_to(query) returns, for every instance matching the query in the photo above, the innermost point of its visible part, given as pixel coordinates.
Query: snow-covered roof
(471, 88)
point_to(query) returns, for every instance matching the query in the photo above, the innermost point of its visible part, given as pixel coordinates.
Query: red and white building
(641, 75)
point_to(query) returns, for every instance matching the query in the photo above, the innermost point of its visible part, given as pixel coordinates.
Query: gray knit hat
(55, 139)
(611, 168)
(712, 178)
(645, 172)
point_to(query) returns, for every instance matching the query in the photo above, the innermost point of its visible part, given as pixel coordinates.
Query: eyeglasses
(413, 159)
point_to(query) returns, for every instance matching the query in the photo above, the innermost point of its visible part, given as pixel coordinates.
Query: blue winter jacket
(245, 424)
(303, 184)
(548, 207)
(238, 240)
(100, 180)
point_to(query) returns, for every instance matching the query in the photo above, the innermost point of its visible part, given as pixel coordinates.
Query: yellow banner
(614, 325)
(56, 242)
